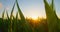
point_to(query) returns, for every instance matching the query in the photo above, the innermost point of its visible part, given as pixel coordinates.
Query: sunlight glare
(34, 17)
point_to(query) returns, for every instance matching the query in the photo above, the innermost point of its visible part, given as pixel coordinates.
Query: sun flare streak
(0, 5)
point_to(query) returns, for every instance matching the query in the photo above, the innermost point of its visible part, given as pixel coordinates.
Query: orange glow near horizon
(34, 17)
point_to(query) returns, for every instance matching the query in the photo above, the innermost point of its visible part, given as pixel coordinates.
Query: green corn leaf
(4, 23)
(7, 15)
(11, 16)
(53, 7)
(8, 21)
(21, 14)
(12, 11)
(16, 15)
(25, 24)
(14, 23)
(52, 4)
(51, 17)
(3, 20)
(3, 14)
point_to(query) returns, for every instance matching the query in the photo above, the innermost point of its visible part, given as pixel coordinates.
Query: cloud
(0, 5)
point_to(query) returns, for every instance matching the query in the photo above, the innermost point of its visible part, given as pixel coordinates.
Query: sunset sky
(29, 8)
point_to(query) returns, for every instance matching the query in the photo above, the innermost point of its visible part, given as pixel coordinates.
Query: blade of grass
(4, 23)
(7, 15)
(3, 14)
(56, 16)
(51, 17)
(3, 20)
(21, 14)
(53, 7)
(8, 20)
(16, 21)
(14, 24)
(16, 15)
(25, 24)
(11, 16)
(1, 27)
(12, 11)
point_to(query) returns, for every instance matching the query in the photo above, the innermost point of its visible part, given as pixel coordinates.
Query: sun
(34, 17)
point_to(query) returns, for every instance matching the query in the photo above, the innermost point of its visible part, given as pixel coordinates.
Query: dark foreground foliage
(13, 24)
